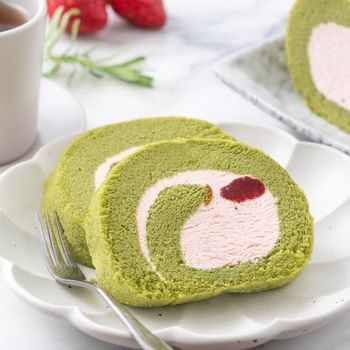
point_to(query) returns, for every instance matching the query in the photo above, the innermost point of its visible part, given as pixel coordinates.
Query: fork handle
(146, 339)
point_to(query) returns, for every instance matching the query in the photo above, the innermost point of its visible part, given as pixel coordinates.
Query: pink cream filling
(329, 58)
(221, 233)
(103, 170)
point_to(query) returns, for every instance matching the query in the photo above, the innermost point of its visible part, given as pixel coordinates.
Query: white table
(198, 33)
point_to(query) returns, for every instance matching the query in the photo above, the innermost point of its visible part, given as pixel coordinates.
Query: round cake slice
(87, 160)
(186, 220)
(318, 50)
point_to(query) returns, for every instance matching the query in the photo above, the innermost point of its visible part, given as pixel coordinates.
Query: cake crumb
(209, 196)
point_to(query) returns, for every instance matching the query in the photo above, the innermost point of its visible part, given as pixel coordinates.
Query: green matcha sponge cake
(186, 220)
(318, 50)
(88, 159)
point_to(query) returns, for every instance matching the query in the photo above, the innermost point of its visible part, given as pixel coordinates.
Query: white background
(180, 57)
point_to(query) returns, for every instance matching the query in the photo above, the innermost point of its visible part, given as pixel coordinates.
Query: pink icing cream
(103, 170)
(329, 57)
(222, 233)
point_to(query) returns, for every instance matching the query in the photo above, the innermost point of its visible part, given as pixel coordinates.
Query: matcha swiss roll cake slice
(88, 159)
(318, 50)
(186, 220)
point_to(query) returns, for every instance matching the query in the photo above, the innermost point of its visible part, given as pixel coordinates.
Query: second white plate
(230, 321)
(260, 74)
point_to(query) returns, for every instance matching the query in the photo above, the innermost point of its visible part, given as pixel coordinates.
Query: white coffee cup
(20, 75)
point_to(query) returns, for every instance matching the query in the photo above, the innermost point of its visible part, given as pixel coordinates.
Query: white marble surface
(199, 32)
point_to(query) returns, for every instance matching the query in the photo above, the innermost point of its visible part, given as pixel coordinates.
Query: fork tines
(55, 248)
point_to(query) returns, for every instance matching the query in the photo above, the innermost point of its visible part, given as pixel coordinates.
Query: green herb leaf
(124, 71)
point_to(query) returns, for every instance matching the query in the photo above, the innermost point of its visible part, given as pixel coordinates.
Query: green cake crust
(304, 17)
(112, 233)
(70, 187)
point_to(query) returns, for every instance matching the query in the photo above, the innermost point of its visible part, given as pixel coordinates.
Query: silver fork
(65, 270)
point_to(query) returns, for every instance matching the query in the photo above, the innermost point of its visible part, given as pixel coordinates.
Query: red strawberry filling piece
(243, 189)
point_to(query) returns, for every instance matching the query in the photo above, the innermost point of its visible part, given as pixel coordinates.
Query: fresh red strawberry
(144, 13)
(93, 14)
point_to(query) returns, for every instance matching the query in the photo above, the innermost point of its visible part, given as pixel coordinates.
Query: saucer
(60, 114)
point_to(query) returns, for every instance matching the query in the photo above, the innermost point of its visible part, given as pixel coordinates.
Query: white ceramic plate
(60, 114)
(316, 297)
(260, 75)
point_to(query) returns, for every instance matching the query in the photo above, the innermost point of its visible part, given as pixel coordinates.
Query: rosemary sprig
(72, 56)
